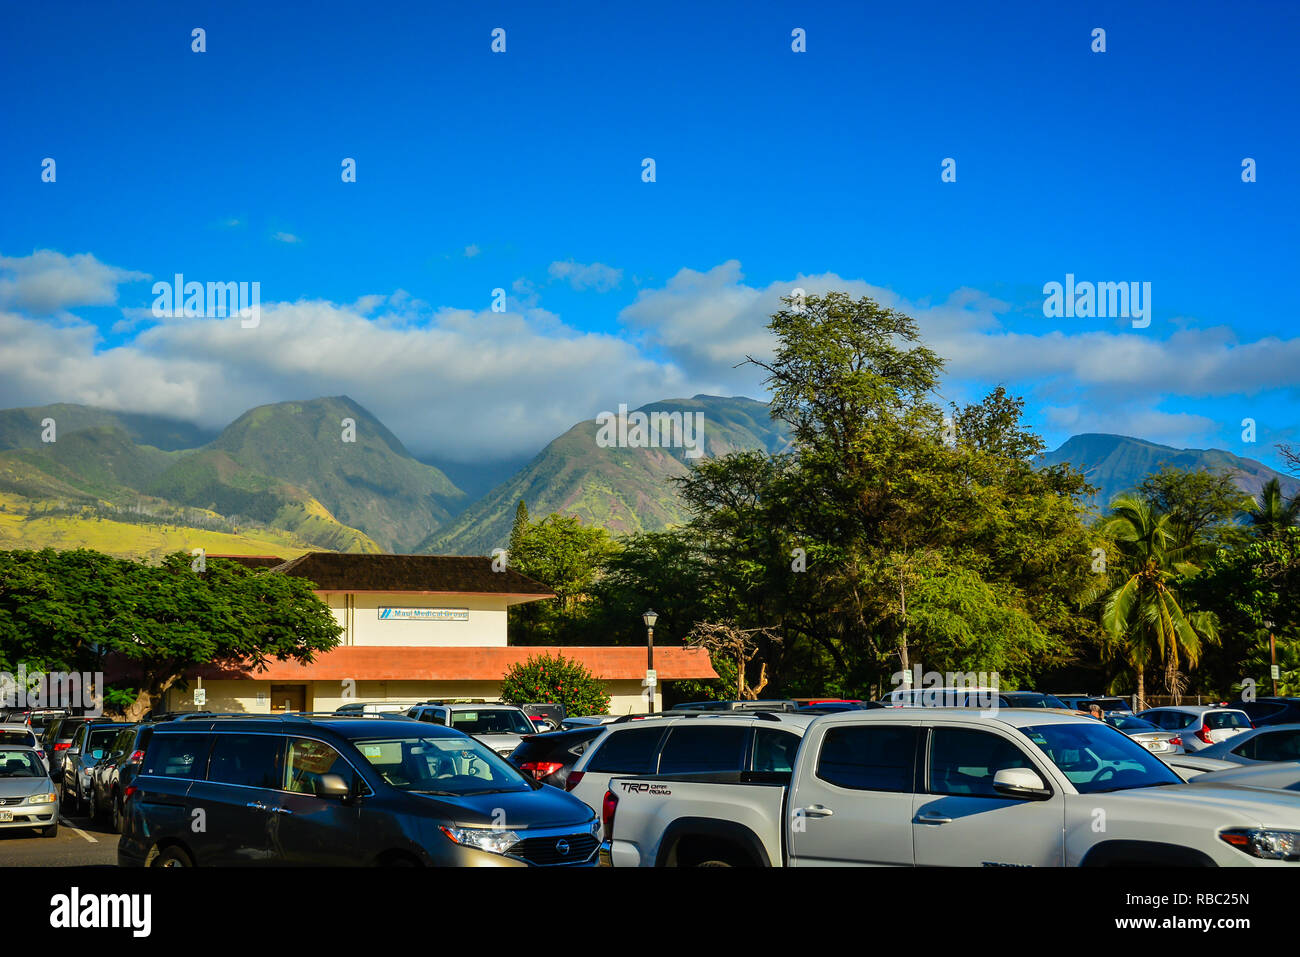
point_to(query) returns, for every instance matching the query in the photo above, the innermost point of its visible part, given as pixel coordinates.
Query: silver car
(27, 795)
(1278, 776)
(1154, 739)
(500, 726)
(1276, 742)
(1199, 725)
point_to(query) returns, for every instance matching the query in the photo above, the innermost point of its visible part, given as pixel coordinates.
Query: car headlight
(1264, 843)
(49, 798)
(492, 840)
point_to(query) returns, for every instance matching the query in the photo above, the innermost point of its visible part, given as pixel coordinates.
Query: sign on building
(423, 614)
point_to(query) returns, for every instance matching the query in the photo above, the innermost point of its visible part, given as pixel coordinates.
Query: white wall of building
(358, 614)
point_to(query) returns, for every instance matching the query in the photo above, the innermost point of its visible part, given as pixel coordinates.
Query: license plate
(6, 816)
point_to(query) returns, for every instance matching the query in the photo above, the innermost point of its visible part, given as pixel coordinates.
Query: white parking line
(66, 823)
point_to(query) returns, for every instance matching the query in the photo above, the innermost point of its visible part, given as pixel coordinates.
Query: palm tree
(1270, 513)
(1144, 615)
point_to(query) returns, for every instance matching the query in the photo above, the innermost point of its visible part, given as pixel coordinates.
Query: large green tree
(83, 611)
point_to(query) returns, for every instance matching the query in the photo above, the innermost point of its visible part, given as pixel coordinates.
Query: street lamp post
(650, 618)
(1272, 656)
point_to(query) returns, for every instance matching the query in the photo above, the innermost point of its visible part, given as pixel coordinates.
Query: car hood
(21, 787)
(1231, 804)
(516, 810)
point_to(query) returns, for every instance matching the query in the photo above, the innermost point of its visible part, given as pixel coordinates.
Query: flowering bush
(553, 678)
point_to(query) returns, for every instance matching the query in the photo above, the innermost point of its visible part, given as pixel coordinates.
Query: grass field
(130, 540)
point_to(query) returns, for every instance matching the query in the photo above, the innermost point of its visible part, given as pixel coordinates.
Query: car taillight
(607, 809)
(135, 758)
(62, 745)
(1204, 734)
(541, 769)
(130, 789)
(572, 781)
(1175, 740)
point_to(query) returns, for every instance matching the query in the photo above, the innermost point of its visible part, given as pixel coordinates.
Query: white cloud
(284, 237)
(47, 282)
(472, 250)
(582, 276)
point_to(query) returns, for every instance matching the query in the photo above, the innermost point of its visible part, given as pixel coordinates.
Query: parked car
(27, 795)
(1083, 702)
(545, 717)
(688, 742)
(342, 791)
(1266, 711)
(56, 739)
(981, 698)
(921, 786)
(588, 721)
(37, 719)
(375, 707)
(500, 726)
(834, 707)
(1199, 726)
(1153, 738)
(1191, 766)
(760, 704)
(550, 756)
(22, 736)
(90, 742)
(1274, 742)
(115, 772)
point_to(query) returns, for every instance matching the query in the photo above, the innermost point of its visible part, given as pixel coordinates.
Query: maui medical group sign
(423, 614)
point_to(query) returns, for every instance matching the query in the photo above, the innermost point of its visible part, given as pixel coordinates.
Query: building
(416, 627)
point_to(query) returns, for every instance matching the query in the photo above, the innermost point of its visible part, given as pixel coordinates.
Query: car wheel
(172, 857)
(51, 831)
(118, 818)
(713, 864)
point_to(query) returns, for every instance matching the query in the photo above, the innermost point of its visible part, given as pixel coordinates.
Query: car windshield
(492, 721)
(445, 765)
(1129, 724)
(1096, 757)
(20, 764)
(100, 740)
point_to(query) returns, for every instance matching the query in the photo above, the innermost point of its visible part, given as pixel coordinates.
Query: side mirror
(97, 753)
(1020, 783)
(332, 786)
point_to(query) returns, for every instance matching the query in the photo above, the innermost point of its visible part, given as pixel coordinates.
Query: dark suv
(115, 772)
(341, 790)
(90, 742)
(1266, 711)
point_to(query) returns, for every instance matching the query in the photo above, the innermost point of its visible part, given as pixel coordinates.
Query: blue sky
(522, 171)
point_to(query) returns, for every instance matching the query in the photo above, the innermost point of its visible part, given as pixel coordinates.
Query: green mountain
(1119, 463)
(371, 483)
(22, 428)
(622, 489)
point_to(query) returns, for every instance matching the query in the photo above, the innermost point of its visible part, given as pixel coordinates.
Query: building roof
(427, 574)
(251, 561)
(391, 663)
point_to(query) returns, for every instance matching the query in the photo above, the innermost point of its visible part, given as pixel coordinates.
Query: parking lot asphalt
(79, 844)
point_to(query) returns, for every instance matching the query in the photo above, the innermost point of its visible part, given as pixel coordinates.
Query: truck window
(628, 752)
(869, 758)
(774, 750)
(963, 761)
(698, 748)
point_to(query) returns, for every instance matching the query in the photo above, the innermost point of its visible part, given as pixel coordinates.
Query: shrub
(554, 678)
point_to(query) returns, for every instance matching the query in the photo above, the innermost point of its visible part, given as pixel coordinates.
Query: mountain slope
(21, 428)
(1119, 463)
(372, 484)
(622, 489)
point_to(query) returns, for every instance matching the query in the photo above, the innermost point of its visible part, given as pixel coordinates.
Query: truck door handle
(816, 810)
(932, 819)
(281, 810)
(257, 804)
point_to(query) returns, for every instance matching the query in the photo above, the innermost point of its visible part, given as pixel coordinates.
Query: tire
(172, 857)
(117, 816)
(51, 831)
(713, 864)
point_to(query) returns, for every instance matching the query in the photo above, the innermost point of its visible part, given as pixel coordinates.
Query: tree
(740, 646)
(1144, 615)
(518, 530)
(566, 556)
(77, 610)
(1201, 505)
(1270, 514)
(546, 678)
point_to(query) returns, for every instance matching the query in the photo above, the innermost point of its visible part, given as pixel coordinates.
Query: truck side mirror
(1020, 783)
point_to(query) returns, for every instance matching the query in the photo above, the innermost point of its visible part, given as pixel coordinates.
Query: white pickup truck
(927, 786)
